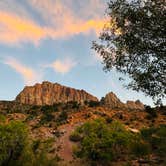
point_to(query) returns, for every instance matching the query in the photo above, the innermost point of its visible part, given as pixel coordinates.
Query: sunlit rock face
(49, 93)
(136, 105)
(112, 101)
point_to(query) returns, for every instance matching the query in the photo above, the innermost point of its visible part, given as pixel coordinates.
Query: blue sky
(51, 40)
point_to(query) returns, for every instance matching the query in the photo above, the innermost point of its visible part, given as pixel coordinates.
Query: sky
(51, 40)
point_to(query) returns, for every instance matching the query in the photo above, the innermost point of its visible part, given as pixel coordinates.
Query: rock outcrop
(49, 93)
(136, 105)
(112, 101)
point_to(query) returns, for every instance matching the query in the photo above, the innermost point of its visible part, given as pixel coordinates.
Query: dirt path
(66, 146)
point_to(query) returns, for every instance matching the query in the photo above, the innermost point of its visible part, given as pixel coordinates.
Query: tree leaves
(139, 47)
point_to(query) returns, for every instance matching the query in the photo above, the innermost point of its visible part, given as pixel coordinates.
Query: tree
(133, 41)
(13, 139)
(17, 148)
(101, 142)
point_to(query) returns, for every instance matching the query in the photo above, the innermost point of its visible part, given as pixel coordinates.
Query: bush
(35, 107)
(151, 111)
(62, 117)
(72, 105)
(75, 137)
(139, 148)
(102, 142)
(2, 119)
(108, 119)
(16, 149)
(155, 136)
(13, 139)
(92, 103)
(49, 108)
(48, 117)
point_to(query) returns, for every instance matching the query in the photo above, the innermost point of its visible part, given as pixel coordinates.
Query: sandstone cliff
(136, 105)
(49, 93)
(112, 101)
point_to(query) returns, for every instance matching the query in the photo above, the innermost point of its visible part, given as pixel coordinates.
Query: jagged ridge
(112, 101)
(49, 93)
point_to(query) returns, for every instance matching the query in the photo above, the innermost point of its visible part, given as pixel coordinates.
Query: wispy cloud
(59, 22)
(13, 29)
(28, 74)
(62, 66)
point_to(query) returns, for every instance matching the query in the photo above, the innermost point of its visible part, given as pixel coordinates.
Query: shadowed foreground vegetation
(29, 136)
(102, 143)
(17, 149)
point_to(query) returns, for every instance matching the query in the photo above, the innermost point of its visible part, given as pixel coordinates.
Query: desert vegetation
(17, 148)
(102, 143)
(96, 134)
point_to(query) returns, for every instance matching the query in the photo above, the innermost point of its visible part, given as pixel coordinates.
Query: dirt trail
(66, 146)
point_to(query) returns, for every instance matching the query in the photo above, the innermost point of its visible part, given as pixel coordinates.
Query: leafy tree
(133, 42)
(17, 149)
(13, 139)
(101, 142)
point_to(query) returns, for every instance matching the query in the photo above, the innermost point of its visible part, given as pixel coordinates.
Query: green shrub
(62, 117)
(2, 119)
(75, 137)
(16, 149)
(71, 105)
(48, 117)
(50, 108)
(155, 136)
(102, 142)
(152, 113)
(108, 119)
(13, 139)
(35, 107)
(92, 103)
(139, 148)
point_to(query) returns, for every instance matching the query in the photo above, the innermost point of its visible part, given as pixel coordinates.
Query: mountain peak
(48, 93)
(112, 101)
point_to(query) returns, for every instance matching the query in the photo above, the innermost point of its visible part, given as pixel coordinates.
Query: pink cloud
(28, 74)
(63, 66)
(60, 22)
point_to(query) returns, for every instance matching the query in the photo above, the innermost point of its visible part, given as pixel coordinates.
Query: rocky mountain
(135, 105)
(48, 93)
(112, 101)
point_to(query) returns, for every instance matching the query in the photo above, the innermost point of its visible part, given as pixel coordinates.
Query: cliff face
(137, 105)
(112, 101)
(48, 93)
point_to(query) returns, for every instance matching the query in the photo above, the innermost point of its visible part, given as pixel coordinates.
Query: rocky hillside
(112, 101)
(50, 93)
